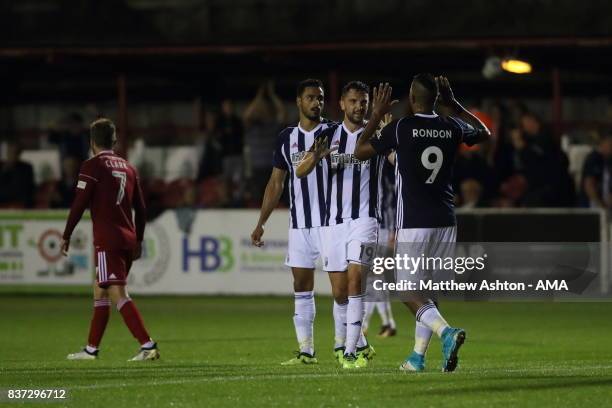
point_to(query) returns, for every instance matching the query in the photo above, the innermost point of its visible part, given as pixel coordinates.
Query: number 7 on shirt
(122, 179)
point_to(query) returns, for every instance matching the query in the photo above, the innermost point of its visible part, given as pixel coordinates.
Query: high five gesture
(381, 101)
(381, 106)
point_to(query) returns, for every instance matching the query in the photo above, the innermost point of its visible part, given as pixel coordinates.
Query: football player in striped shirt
(307, 210)
(426, 145)
(351, 217)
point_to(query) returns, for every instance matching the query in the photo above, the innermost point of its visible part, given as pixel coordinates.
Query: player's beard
(356, 118)
(313, 115)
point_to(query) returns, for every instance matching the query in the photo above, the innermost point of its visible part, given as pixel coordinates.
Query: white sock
(382, 311)
(390, 315)
(422, 337)
(340, 324)
(303, 320)
(91, 349)
(362, 341)
(429, 315)
(148, 345)
(354, 319)
(369, 310)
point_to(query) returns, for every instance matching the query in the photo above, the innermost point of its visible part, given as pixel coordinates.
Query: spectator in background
(560, 186)
(501, 153)
(231, 138)
(72, 138)
(525, 168)
(153, 189)
(472, 165)
(539, 159)
(515, 110)
(470, 194)
(211, 162)
(499, 117)
(596, 176)
(534, 132)
(210, 173)
(16, 180)
(263, 117)
(66, 186)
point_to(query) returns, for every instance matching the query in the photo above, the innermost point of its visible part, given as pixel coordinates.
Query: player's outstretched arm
(272, 195)
(318, 151)
(381, 105)
(450, 104)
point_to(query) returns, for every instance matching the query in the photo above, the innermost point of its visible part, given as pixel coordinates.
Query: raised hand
(381, 100)
(445, 93)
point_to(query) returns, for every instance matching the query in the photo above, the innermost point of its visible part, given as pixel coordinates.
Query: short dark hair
(356, 85)
(103, 133)
(428, 81)
(308, 83)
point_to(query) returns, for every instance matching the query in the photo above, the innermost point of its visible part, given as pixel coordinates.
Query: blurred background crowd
(229, 161)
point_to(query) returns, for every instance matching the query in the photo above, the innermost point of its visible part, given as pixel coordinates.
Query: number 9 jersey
(108, 185)
(426, 146)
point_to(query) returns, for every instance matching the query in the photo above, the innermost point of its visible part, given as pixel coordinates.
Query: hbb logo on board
(213, 253)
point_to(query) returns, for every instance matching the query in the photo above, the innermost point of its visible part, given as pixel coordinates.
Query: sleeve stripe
(465, 128)
(85, 175)
(396, 131)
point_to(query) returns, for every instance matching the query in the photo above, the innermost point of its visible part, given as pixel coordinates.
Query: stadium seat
(46, 164)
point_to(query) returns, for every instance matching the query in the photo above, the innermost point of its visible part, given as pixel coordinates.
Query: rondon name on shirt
(443, 134)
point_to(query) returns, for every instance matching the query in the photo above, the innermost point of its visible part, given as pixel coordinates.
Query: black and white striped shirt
(387, 197)
(352, 184)
(306, 195)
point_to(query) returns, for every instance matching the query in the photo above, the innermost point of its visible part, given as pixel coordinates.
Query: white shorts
(343, 243)
(304, 247)
(428, 235)
(428, 242)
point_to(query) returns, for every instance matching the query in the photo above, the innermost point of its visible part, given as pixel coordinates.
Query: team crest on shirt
(346, 160)
(296, 158)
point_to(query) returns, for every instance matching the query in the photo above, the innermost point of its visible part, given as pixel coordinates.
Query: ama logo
(212, 254)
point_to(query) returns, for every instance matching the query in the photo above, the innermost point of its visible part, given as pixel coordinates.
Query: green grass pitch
(225, 352)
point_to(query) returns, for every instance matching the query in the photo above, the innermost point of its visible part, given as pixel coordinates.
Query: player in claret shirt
(108, 185)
